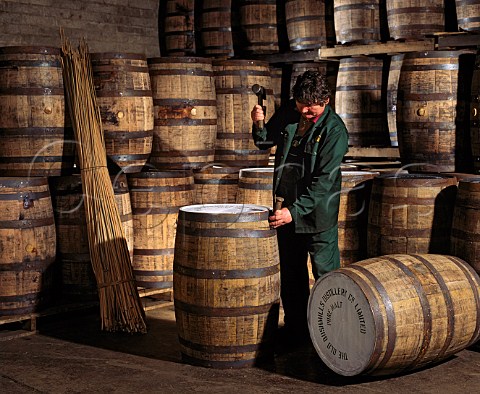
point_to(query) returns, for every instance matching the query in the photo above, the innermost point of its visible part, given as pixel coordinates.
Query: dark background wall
(107, 25)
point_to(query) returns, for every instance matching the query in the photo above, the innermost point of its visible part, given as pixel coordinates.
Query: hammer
(278, 203)
(261, 95)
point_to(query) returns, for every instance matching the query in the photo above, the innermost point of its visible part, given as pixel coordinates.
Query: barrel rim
(30, 49)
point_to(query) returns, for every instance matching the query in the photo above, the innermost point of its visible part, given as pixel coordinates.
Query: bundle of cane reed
(120, 305)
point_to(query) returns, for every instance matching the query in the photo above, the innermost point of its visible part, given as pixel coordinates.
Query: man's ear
(327, 100)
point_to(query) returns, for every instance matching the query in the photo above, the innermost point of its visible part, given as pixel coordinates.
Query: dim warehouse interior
(136, 252)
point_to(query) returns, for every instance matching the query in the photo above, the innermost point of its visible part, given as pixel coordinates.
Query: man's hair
(311, 87)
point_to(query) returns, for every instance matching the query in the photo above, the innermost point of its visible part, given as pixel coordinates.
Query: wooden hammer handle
(278, 203)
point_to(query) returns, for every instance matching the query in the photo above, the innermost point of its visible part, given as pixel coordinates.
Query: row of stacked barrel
(226, 28)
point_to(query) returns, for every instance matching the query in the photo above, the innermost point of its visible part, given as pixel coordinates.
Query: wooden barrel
(394, 313)
(410, 213)
(306, 27)
(27, 250)
(156, 197)
(468, 15)
(357, 21)
(78, 280)
(359, 101)
(353, 215)
(36, 137)
(216, 185)
(235, 99)
(124, 97)
(465, 239)
(432, 116)
(475, 116)
(329, 69)
(413, 21)
(226, 303)
(185, 112)
(216, 28)
(255, 186)
(392, 90)
(179, 27)
(258, 22)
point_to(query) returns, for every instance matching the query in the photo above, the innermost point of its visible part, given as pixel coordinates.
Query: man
(311, 142)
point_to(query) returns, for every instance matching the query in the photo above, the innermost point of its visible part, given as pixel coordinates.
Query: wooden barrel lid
(341, 324)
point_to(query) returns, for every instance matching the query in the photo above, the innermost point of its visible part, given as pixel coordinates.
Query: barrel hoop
(28, 131)
(417, 28)
(223, 312)
(128, 158)
(183, 154)
(465, 236)
(258, 2)
(154, 285)
(219, 364)
(427, 67)
(217, 29)
(234, 136)
(407, 233)
(186, 103)
(152, 272)
(38, 159)
(375, 307)
(24, 266)
(254, 186)
(295, 19)
(226, 233)
(15, 64)
(18, 298)
(216, 181)
(161, 189)
(255, 26)
(216, 349)
(241, 152)
(471, 275)
(190, 72)
(153, 252)
(127, 135)
(108, 56)
(365, 6)
(243, 217)
(185, 122)
(426, 308)
(156, 211)
(23, 182)
(226, 274)
(188, 33)
(31, 196)
(100, 69)
(240, 73)
(350, 88)
(44, 91)
(181, 61)
(468, 20)
(207, 9)
(317, 40)
(448, 302)
(36, 50)
(159, 174)
(29, 223)
(123, 93)
(413, 10)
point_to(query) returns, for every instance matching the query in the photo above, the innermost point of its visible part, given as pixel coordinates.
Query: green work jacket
(316, 209)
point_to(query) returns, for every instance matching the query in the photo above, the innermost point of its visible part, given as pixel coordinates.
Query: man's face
(311, 111)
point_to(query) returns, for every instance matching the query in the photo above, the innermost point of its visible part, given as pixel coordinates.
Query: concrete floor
(71, 355)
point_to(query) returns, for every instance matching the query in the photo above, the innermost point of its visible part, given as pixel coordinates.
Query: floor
(70, 354)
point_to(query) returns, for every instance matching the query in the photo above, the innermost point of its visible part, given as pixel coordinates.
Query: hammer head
(258, 90)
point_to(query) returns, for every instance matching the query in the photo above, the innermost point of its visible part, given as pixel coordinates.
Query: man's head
(311, 93)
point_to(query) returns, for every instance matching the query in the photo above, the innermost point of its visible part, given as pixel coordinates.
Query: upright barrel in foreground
(394, 313)
(226, 284)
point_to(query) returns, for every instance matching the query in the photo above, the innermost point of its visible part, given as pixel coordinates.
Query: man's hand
(280, 217)
(257, 113)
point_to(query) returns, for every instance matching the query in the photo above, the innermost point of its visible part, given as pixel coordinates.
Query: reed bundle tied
(120, 304)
